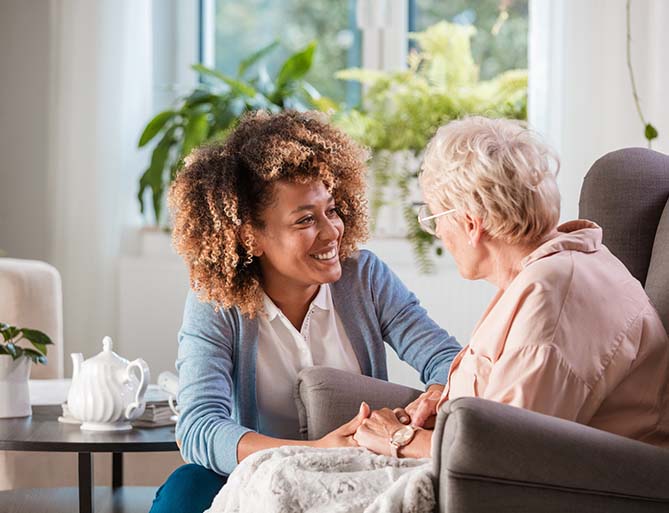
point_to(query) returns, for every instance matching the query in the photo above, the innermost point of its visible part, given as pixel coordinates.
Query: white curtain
(101, 77)
(580, 92)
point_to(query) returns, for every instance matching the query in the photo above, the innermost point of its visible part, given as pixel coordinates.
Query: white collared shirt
(283, 352)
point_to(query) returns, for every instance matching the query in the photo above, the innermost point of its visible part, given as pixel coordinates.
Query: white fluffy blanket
(347, 480)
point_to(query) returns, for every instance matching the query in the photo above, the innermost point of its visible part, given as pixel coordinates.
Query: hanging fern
(403, 110)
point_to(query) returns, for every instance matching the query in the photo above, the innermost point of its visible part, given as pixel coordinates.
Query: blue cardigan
(217, 355)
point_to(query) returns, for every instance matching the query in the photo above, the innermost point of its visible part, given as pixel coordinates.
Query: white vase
(14, 394)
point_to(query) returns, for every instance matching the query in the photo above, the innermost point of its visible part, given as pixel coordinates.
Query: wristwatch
(401, 437)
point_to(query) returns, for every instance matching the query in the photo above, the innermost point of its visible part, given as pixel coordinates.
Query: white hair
(497, 170)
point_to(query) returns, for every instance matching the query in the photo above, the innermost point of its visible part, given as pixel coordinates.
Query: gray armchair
(490, 457)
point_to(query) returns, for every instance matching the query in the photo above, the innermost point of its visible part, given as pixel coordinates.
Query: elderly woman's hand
(423, 411)
(375, 432)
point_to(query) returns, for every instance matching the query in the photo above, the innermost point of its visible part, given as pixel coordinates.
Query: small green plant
(649, 131)
(213, 109)
(11, 336)
(403, 109)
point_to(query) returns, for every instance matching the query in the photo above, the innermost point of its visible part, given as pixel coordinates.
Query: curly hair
(496, 169)
(225, 186)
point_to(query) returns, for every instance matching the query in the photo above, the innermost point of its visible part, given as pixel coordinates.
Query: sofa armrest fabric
(657, 280)
(326, 398)
(525, 459)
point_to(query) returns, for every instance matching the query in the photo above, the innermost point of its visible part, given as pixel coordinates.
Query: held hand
(343, 435)
(423, 411)
(374, 432)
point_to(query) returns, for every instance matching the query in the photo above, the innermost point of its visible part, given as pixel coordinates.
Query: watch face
(403, 435)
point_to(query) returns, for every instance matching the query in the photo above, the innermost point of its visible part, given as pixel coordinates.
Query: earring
(469, 242)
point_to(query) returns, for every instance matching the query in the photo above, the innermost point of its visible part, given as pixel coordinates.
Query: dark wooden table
(42, 432)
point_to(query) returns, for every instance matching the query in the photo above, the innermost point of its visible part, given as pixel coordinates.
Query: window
(237, 29)
(500, 42)
(233, 30)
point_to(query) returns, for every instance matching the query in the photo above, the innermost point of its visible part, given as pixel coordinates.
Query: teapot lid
(107, 356)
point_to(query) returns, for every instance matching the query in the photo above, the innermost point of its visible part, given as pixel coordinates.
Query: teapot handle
(136, 408)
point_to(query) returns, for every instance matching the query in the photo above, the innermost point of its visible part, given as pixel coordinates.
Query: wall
(580, 92)
(24, 123)
(599, 113)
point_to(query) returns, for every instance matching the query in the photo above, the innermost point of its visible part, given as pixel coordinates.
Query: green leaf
(255, 57)
(40, 347)
(36, 337)
(173, 174)
(154, 126)
(650, 132)
(34, 356)
(153, 176)
(9, 332)
(260, 101)
(325, 104)
(198, 97)
(363, 76)
(236, 86)
(322, 103)
(223, 116)
(310, 91)
(195, 132)
(296, 66)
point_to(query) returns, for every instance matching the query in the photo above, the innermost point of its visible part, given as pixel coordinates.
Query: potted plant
(211, 110)
(402, 110)
(15, 361)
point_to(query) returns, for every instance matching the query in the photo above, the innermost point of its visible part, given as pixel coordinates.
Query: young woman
(268, 223)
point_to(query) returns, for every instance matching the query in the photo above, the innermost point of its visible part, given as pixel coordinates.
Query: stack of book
(157, 412)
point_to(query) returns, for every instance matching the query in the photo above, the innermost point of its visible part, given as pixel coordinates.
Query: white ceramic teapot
(106, 394)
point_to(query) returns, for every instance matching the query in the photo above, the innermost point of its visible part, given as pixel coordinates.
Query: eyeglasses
(428, 221)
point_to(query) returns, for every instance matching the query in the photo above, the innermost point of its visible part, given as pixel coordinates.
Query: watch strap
(394, 449)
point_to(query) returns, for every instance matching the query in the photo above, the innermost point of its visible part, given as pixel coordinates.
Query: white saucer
(68, 420)
(106, 426)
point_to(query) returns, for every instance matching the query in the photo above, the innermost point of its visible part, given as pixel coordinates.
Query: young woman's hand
(375, 432)
(343, 435)
(423, 411)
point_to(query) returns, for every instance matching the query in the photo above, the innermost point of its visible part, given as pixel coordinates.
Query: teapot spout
(77, 360)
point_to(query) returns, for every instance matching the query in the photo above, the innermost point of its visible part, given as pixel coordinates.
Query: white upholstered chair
(31, 297)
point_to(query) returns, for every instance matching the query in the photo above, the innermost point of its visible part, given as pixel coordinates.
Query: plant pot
(14, 394)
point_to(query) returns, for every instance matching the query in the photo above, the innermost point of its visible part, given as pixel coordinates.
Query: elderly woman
(268, 223)
(570, 332)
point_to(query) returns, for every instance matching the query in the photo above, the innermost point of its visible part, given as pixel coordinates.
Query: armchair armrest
(491, 457)
(326, 398)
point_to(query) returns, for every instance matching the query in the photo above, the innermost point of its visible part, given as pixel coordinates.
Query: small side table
(42, 432)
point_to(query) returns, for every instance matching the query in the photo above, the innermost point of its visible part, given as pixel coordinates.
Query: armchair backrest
(31, 297)
(626, 192)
